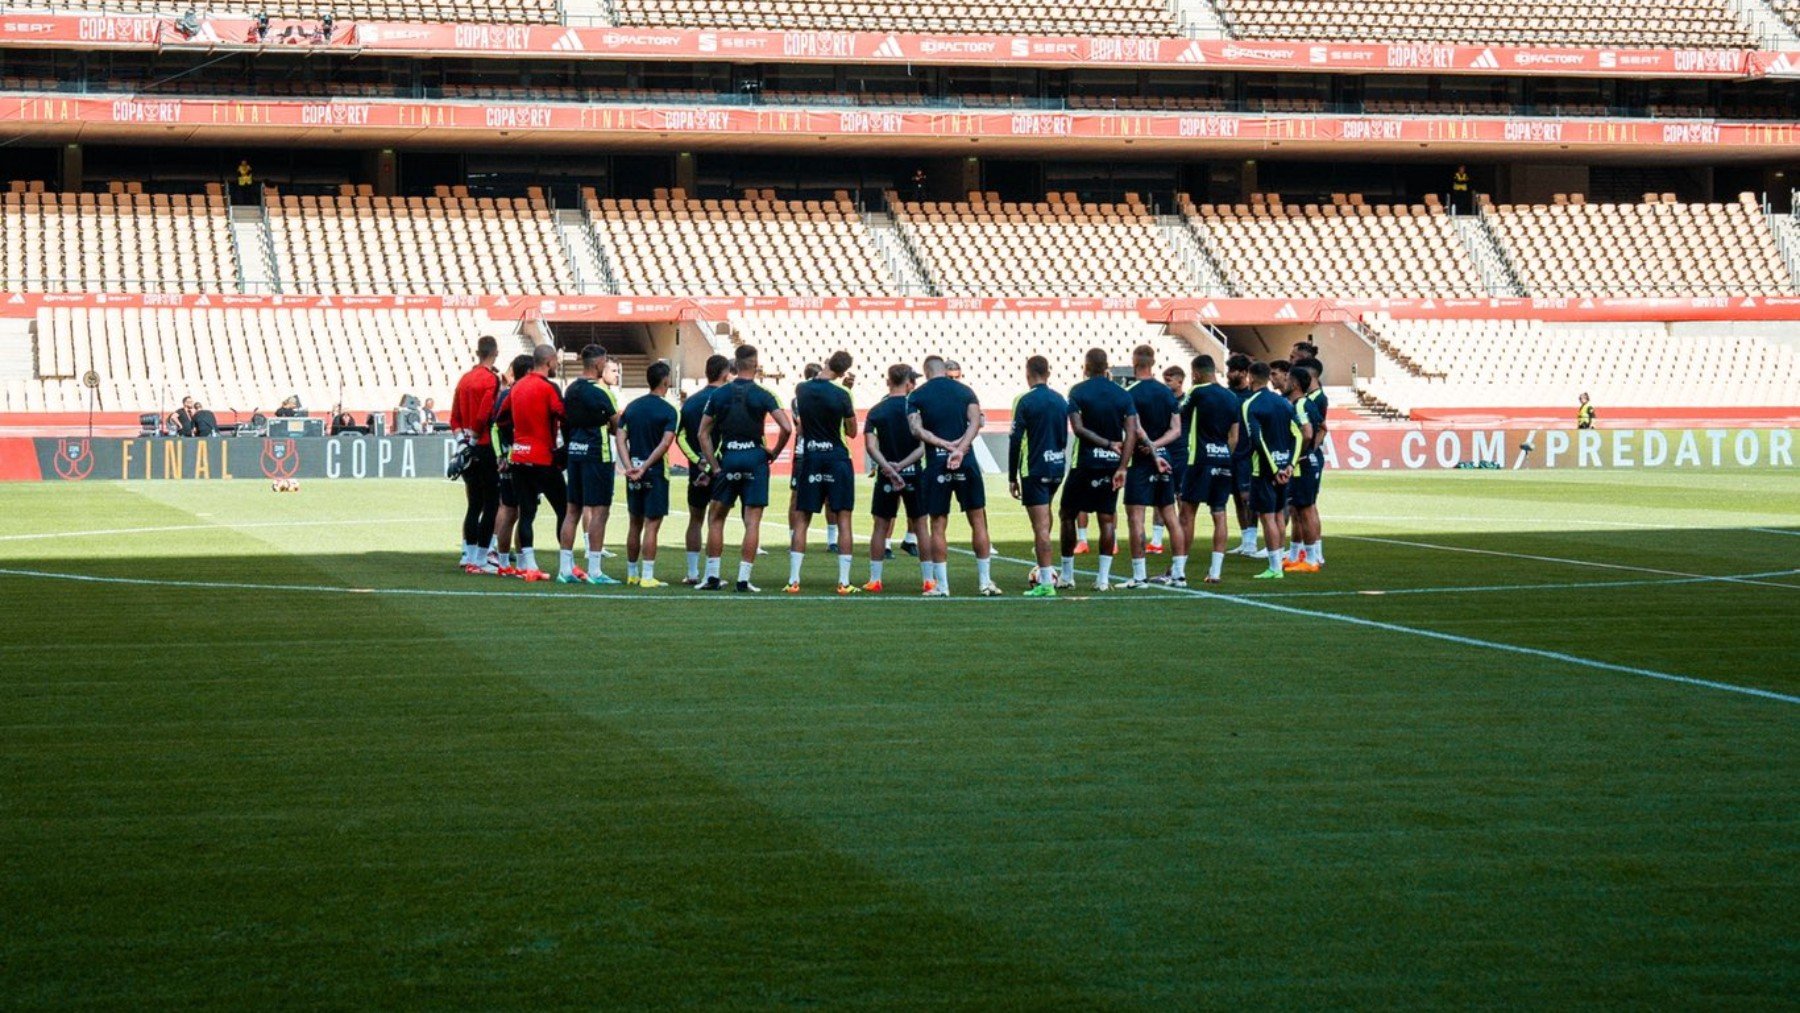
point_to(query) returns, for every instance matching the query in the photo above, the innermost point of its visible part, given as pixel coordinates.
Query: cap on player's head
(1238, 363)
(487, 348)
(1143, 358)
(1259, 373)
(899, 375)
(521, 365)
(1094, 363)
(543, 355)
(1174, 373)
(1204, 368)
(593, 359)
(746, 361)
(1312, 363)
(1037, 369)
(657, 374)
(934, 367)
(839, 362)
(1302, 379)
(716, 367)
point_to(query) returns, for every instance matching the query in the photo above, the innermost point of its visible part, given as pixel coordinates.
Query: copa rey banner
(226, 458)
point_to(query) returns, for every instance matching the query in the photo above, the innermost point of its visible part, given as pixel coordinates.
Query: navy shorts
(1303, 489)
(887, 501)
(745, 478)
(1038, 490)
(509, 494)
(824, 481)
(1146, 487)
(699, 493)
(1240, 474)
(1178, 469)
(941, 484)
(590, 482)
(1090, 491)
(1266, 497)
(1209, 482)
(648, 497)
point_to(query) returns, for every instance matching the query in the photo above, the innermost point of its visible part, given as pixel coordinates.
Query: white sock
(468, 554)
(593, 561)
(1068, 569)
(744, 573)
(565, 562)
(1249, 541)
(1156, 533)
(1293, 552)
(693, 564)
(712, 567)
(494, 544)
(631, 569)
(1046, 574)
(844, 564)
(1085, 529)
(1217, 565)
(1315, 553)
(943, 576)
(1139, 567)
(910, 539)
(1274, 561)
(1178, 567)
(794, 561)
(528, 559)
(927, 571)
(648, 569)
(875, 566)
(983, 569)
(1105, 570)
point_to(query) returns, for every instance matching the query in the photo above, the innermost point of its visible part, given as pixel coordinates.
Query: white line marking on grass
(1567, 586)
(1593, 563)
(1453, 638)
(166, 528)
(1777, 531)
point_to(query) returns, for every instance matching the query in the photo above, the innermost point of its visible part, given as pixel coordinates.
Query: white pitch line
(1593, 563)
(1566, 586)
(1453, 638)
(166, 528)
(1777, 531)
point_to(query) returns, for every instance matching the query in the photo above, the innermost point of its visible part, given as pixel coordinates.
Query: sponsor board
(234, 458)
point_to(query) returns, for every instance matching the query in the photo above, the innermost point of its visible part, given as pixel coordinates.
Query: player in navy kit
(825, 480)
(1306, 555)
(731, 436)
(897, 454)
(647, 430)
(1275, 434)
(591, 419)
(1237, 377)
(1209, 416)
(945, 416)
(1037, 454)
(1174, 378)
(699, 487)
(1149, 482)
(1104, 419)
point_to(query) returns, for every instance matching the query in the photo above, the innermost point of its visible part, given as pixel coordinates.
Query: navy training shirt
(1038, 446)
(1104, 407)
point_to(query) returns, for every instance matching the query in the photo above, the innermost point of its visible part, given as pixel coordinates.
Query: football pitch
(1529, 740)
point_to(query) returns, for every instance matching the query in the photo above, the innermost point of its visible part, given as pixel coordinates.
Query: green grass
(539, 796)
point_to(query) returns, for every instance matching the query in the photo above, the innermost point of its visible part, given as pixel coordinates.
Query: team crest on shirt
(74, 460)
(280, 459)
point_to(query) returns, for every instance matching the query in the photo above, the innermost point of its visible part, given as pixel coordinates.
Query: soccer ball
(285, 485)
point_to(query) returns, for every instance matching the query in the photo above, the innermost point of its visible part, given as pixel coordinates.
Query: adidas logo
(1486, 61)
(569, 43)
(1192, 54)
(1286, 312)
(16, 300)
(1209, 312)
(890, 49)
(1782, 65)
(203, 301)
(1750, 303)
(323, 301)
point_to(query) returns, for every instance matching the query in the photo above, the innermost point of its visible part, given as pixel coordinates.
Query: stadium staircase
(909, 277)
(1199, 19)
(586, 13)
(253, 250)
(1787, 239)
(1203, 271)
(589, 264)
(1770, 29)
(1497, 271)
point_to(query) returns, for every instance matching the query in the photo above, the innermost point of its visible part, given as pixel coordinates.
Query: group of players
(1168, 452)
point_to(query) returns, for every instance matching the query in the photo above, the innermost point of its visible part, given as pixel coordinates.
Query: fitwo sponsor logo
(1485, 60)
(517, 117)
(697, 120)
(146, 112)
(491, 36)
(1108, 50)
(1194, 53)
(1372, 130)
(1422, 57)
(870, 123)
(890, 49)
(332, 115)
(1541, 133)
(816, 45)
(1208, 126)
(1690, 133)
(1052, 125)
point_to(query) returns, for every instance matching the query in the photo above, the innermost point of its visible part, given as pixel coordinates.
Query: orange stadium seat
(120, 241)
(1647, 23)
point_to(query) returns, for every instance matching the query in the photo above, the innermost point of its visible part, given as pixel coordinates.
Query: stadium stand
(241, 359)
(1346, 248)
(1788, 11)
(1081, 17)
(1531, 363)
(675, 245)
(123, 240)
(1647, 23)
(446, 244)
(987, 246)
(990, 347)
(1659, 247)
(470, 11)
